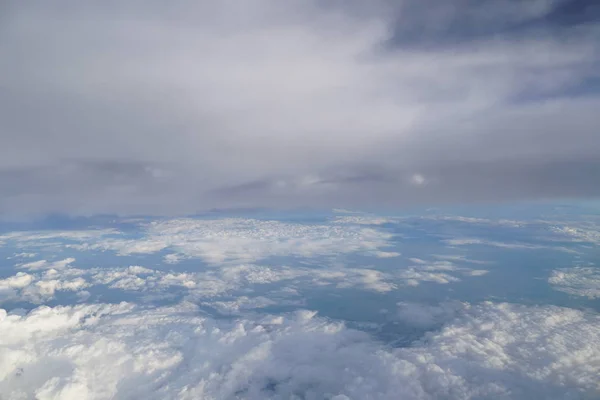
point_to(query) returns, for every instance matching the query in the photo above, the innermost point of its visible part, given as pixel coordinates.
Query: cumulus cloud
(578, 281)
(120, 351)
(441, 272)
(36, 289)
(226, 241)
(188, 106)
(41, 284)
(217, 241)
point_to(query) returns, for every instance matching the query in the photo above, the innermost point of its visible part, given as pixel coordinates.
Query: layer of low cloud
(143, 107)
(122, 351)
(38, 286)
(218, 339)
(220, 241)
(577, 281)
(227, 241)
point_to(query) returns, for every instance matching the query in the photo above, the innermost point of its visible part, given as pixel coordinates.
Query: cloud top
(488, 351)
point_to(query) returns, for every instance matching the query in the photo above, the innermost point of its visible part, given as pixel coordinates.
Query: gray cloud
(148, 107)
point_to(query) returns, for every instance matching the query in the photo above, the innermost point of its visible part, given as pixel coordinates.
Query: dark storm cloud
(167, 108)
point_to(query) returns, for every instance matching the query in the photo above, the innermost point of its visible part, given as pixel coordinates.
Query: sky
(169, 108)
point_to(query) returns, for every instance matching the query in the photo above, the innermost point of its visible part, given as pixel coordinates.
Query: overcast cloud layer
(167, 108)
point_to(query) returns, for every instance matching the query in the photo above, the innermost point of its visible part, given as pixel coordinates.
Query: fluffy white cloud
(231, 246)
(42, 282)
(436, 271)
(122, 351)
(37, 288)
(18, 281)
(355, 277)
(578, 281)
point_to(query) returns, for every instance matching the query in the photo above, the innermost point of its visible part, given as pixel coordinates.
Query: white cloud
(23, 255)
(226, 241)
(363, 220)
(43, 264)
(241, 303)
(441, 272)
(476, 272)
(344, 211)
(231, 246)
(415, 276)
(480, 221)
(504, 245)
(386, 254)
(459, 258)
(43, 290)
(418, 180)
(36, 238)
(36, 288)
(578, 281)
(18, 281)
(34, 265)
(353, 277)
(583, 233)
(471, 241)
(42, 283)
(121, 351)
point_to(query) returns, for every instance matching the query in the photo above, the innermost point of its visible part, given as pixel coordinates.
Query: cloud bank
(222, 319)
(175, 108)
(121, 351)
(577, 281)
